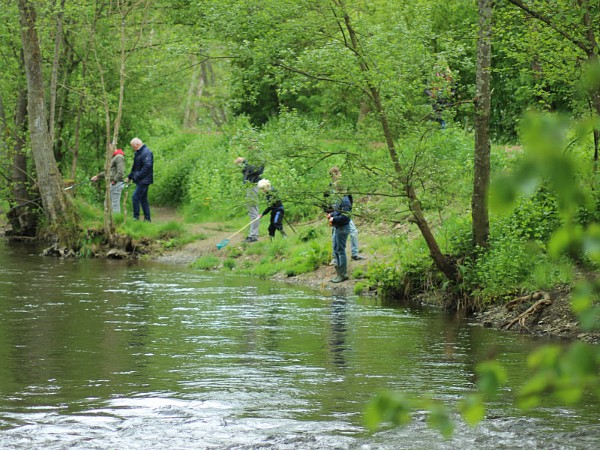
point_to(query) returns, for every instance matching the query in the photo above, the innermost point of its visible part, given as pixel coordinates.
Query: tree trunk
(481, 175)
(57, 206)
(190, 114)
(22, 219)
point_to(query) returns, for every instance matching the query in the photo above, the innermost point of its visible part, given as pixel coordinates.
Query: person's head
(136, 144)
(335, 173)
(264, 185)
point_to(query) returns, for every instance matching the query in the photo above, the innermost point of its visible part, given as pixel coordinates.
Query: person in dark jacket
(142, 174)
(274, 206)
(339, 219)
(252, 175)
(335, 189)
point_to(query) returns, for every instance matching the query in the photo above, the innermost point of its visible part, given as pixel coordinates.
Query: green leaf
(472, 409)
(439, 419)
(491, 377)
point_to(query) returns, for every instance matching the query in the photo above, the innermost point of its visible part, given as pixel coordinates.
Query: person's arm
(98, 176)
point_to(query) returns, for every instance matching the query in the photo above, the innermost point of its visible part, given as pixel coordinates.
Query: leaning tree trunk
(441, 261)
(481, 172)
(57, 206)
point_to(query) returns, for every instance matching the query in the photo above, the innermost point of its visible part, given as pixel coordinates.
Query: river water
(99, 354)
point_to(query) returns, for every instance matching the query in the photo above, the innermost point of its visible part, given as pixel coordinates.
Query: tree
(481, 169)
(441, 261)
(57, 206)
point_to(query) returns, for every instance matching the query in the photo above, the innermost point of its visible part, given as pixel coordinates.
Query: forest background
(421, 104)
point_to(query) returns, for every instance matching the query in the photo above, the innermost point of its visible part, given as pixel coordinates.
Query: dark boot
(342, 274)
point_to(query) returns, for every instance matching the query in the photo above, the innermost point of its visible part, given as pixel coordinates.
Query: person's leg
(253, 213)
(354, 241)
(333, 259)
(115, 196)
(353, 238)
(135, 200)
(341, 238)
(278, 221)
(272, 225)
(143, 199)
(339, 250)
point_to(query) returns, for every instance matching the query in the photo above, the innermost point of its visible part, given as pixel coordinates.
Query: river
(99, 354)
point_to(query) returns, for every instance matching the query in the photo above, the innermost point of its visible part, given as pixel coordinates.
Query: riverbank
(542, 314)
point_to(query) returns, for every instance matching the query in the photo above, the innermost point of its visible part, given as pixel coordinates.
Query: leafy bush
(536, 217)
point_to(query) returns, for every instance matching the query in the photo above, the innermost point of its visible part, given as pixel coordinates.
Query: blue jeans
(353, 238)
(140, 198)
(340, 238)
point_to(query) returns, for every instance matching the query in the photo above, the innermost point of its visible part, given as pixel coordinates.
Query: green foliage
(565, 372)
(535, 217)
(360, 288)
(174, 159)
(207, 262)
(139, 229)
(398, 409)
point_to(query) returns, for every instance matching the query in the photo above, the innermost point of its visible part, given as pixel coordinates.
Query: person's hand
(127, 180)
(94, 178)
(259, 216)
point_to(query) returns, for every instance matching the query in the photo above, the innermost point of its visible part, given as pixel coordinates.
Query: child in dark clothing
(274, 206)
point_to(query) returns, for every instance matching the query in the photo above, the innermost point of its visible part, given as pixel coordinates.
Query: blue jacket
(341, 211)
(142, 171)
(273, 201)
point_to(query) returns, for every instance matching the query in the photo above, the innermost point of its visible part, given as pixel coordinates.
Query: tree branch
(548, 21)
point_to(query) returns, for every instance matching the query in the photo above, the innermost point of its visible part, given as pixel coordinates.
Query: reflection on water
(108, 354)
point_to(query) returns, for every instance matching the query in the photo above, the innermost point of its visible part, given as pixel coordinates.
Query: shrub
(207, 262)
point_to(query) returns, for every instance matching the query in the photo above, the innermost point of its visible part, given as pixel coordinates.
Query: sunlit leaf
(582, 298)
(546, 356)
(569, 395)
(472, 409)
(590, 319)
(491, 376)
(591, 242)
(566, 240)
(439, 419)
(388, 407)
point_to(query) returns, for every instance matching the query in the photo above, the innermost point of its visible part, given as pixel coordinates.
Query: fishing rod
(39, 198)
